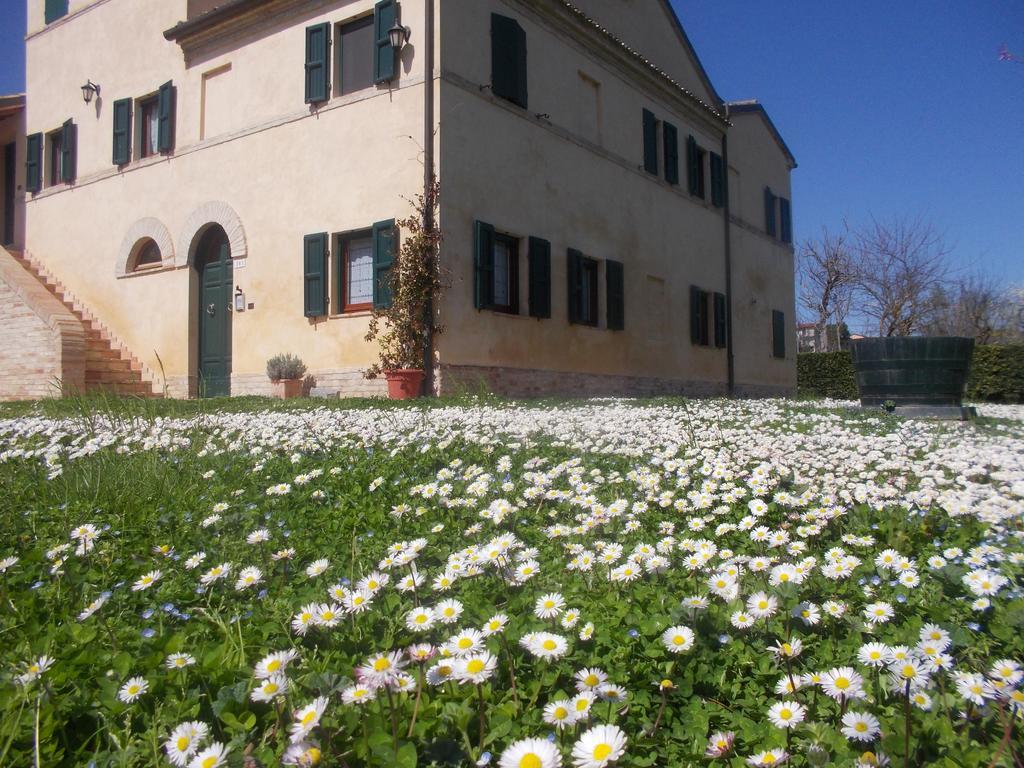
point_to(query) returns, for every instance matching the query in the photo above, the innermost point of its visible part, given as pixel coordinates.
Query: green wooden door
(215, 296)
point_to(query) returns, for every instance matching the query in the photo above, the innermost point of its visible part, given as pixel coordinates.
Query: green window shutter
(575, 283)
(385, 14)
(696, 313)
(165, 118)
(692, 159)
(55, 9)
(318, 77)
(483, 265)
(383, 261)
(508, 60)
(315, 274)
(540, 277)
(769, 212)
(122, 131)
(650, 142)
(717, 181)
(778, 333)
(68, 151)
(615, 279)
(671, 139)
(785, 221)
(720, 338)
(34, 163)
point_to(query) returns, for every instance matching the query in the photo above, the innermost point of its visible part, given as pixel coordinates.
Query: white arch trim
(147, 228)
(213, 212)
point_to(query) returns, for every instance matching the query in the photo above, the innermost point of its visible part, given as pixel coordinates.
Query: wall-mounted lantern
(239, 300)
(398, 36)
(89, 90)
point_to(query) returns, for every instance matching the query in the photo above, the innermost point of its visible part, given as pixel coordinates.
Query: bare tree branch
(826, 281)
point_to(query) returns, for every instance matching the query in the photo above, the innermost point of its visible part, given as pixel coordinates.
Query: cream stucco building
(230, 188)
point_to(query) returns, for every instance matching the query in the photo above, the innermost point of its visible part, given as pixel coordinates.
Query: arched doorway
(213, 265)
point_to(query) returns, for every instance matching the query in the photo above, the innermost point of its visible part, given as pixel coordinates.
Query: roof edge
(211, 18)
(677, 22)
(754, 107)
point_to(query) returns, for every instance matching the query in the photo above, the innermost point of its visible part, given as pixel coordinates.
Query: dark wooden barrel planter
(912, 370)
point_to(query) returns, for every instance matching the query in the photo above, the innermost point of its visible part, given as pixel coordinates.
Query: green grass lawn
(572, 536)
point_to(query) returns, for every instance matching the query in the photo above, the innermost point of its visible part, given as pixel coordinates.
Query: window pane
(587, 309)
(501, 286)
(360, 272)
(356, 59)
(56, 158)
(149, 127)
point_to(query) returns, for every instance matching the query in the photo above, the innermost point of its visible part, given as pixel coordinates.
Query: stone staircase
(109, 365)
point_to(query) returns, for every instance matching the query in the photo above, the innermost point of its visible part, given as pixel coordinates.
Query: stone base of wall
(348, 382)
(529, 382)
(764, 390)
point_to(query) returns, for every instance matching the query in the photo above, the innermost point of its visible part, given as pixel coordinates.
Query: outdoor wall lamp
(239, 299)
(89, 90)
(398, 36)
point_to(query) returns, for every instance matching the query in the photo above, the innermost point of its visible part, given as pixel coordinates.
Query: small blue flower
(551, 736)
(901, 598)
(168, 607)
(147, 614)
(876, 580)
(262, 594)
(973, 626)
(106, 595)
(485, 759)
(634, 633)
(724, 639)
(37, 585)
(200, 590)
(345, 580)
(148, 632)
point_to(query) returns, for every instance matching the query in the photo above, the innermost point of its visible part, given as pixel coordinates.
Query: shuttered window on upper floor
(695, 167)
(539, 277)
(508, 60)
(670, 138)
(699, 326)
(785, 221)
(55, 9)
(318, 58)
(778, 334)
(614, 273)
(769, 212)
(717, 180)
(650, 129)
(314, 273)
(122, 139)
(34, 163)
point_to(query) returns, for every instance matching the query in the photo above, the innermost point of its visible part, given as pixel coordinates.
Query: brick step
(119, 367)
(121, 388)
(96, 349)
(120, 378)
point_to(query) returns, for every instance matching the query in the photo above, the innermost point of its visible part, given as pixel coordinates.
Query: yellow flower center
(769, 759)
(421, 619)
(678, 640)
(475, 667)
(274, 666)
(560, 713)
(549, 604)
(582, 705)
(842, 683)
(783, 577)
(860, 727)
(183, 742)
(591, 680)
(309, 717)
(785, 714)
(270, 688)
(550, 645)
(465, 643)
(601, 751)
(313, 755)
(787, 648)
(381, 664)
(530, 760)
(210, 761)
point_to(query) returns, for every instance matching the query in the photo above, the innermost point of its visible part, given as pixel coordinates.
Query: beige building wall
(251, 156)
(762, 266)
(538, 172)
(271, 172)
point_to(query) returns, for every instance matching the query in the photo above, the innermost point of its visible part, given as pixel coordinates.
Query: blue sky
(891, 108)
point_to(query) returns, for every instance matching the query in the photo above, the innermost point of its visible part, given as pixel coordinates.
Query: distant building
(611, 225)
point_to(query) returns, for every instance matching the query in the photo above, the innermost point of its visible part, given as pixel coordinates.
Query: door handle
(211, 310)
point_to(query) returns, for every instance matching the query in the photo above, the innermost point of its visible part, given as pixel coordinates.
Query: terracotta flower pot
(404, 383)
(286, 389)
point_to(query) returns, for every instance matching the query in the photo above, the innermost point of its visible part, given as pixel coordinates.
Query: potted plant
(286, 372)
(405, 328)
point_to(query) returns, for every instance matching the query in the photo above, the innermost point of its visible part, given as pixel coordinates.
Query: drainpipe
(428, 174)
(730, 358)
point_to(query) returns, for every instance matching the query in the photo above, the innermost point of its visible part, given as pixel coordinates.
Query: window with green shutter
(778, 334)
(122, 152)
(720, 334)
(717, 181)
(540, 277)
(769, 212)
(55, 9)
(34, 163)
(699, 331)
(68, 151)
(692, 171)
(614, 277)
(785, 221)
(508, 60)
(315, 274)
(574, 280)
(318, 78)
(385, 15)
(671, 141)
(165, 118)
(384, 246)
(583, 289)
(650, 142)
(483, 265)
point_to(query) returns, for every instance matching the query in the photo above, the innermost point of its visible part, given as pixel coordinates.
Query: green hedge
(826, 374)
(997, 374)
